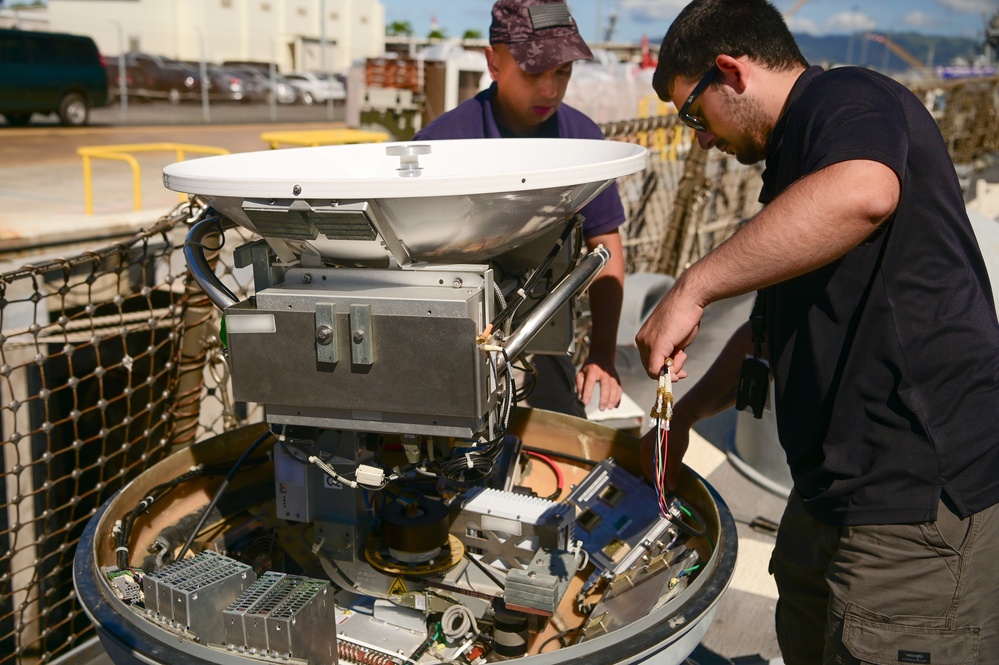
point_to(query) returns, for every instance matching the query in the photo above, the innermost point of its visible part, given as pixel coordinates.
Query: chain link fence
(684, 202)
(111, 359)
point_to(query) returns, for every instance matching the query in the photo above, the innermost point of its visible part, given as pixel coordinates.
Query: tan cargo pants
(888, 594)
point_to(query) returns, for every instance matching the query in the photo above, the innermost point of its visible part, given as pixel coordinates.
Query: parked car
(316, 88)
(49, 72)
(226, 84)
(260, 88)
(133, 75)
(159, 77)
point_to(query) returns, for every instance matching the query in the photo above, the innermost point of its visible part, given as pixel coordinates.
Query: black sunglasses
(691, 121)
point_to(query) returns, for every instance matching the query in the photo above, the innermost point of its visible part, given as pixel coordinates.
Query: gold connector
(663, 407)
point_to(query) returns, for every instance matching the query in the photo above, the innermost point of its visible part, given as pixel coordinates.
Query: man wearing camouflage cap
(533, 44)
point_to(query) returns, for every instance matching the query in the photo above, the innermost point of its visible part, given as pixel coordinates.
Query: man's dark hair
(708, 28)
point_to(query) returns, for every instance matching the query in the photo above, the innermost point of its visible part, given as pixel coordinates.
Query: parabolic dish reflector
(441, 201)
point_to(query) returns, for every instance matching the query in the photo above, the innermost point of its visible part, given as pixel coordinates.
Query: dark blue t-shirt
(474, 119)
(885, 361)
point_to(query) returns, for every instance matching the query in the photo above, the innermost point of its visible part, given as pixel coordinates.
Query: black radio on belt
(754, 379)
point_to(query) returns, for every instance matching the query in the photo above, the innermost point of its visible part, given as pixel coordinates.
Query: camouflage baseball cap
(541, 34)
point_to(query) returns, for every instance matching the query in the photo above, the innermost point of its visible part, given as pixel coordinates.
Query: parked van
(47, 72)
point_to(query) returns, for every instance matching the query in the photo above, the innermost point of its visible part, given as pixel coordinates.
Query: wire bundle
(662, 413)
(662, 450)
(475, 462)
(124, 533)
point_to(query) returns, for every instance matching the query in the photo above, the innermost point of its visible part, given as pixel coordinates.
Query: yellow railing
(316, 137)
(665, 141)
(122, 154)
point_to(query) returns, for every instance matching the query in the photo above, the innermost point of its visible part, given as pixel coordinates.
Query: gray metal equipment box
(192, 593)
(284, 616)
(362, 350)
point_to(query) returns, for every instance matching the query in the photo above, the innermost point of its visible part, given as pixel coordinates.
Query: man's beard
(746, 113)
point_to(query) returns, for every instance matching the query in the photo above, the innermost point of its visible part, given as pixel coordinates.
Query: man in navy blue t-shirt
(533, 44)
(881, 334)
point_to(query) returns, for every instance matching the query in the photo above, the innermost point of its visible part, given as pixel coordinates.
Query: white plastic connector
(369, 476)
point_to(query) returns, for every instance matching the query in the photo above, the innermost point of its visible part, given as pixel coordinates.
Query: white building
(288, 32)
(25, 18)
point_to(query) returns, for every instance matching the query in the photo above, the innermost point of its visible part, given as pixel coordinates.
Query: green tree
(437, 33)
(399, 29)
(472, 34)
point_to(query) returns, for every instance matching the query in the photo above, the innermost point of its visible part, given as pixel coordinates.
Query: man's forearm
(606, 293)
(814, 222)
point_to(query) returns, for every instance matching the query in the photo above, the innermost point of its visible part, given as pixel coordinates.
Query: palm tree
(399, 28)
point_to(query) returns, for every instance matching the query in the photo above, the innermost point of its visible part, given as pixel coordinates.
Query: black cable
(511, 392)
(291, 450)
(679, 522)
(481, 459)
(485, 569)
(532, 281)
(557, 636)
(155, 494)
(218, 493)
(530, 380)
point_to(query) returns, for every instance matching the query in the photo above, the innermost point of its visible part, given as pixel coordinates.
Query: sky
(960, 18)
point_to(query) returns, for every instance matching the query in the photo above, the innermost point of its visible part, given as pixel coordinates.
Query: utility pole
(853, 36)
(122, 77)
(611, 24)
(322, 59)
(205, 83)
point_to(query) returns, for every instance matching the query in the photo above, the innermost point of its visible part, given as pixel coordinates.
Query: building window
(227, 3)
(334, 16)
(301, 11)
(265, 6)
(364, 20)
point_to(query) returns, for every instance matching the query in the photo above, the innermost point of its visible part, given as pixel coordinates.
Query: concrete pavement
(42, 195)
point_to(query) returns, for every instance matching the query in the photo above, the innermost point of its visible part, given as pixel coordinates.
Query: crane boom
(797, 5)
(910, 59)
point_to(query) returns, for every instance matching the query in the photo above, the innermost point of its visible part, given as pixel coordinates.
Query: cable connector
(485, 335)
(331, 472)
(662, 410)
(369, 476)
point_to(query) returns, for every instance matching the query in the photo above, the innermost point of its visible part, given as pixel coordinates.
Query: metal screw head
(358, 336)
(456, 283)
(324, 334)
(306, 278)
(296, 190)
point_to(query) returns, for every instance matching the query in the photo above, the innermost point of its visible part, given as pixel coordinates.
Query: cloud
(919, 19)
(802, 25)
(970, 6)
(849, 22)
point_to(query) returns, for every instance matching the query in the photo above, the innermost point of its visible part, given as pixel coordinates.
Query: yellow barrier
(121, 153)
(317, 137)
(664, 141)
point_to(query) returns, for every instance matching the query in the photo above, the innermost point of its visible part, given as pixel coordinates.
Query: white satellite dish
(434, 201)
